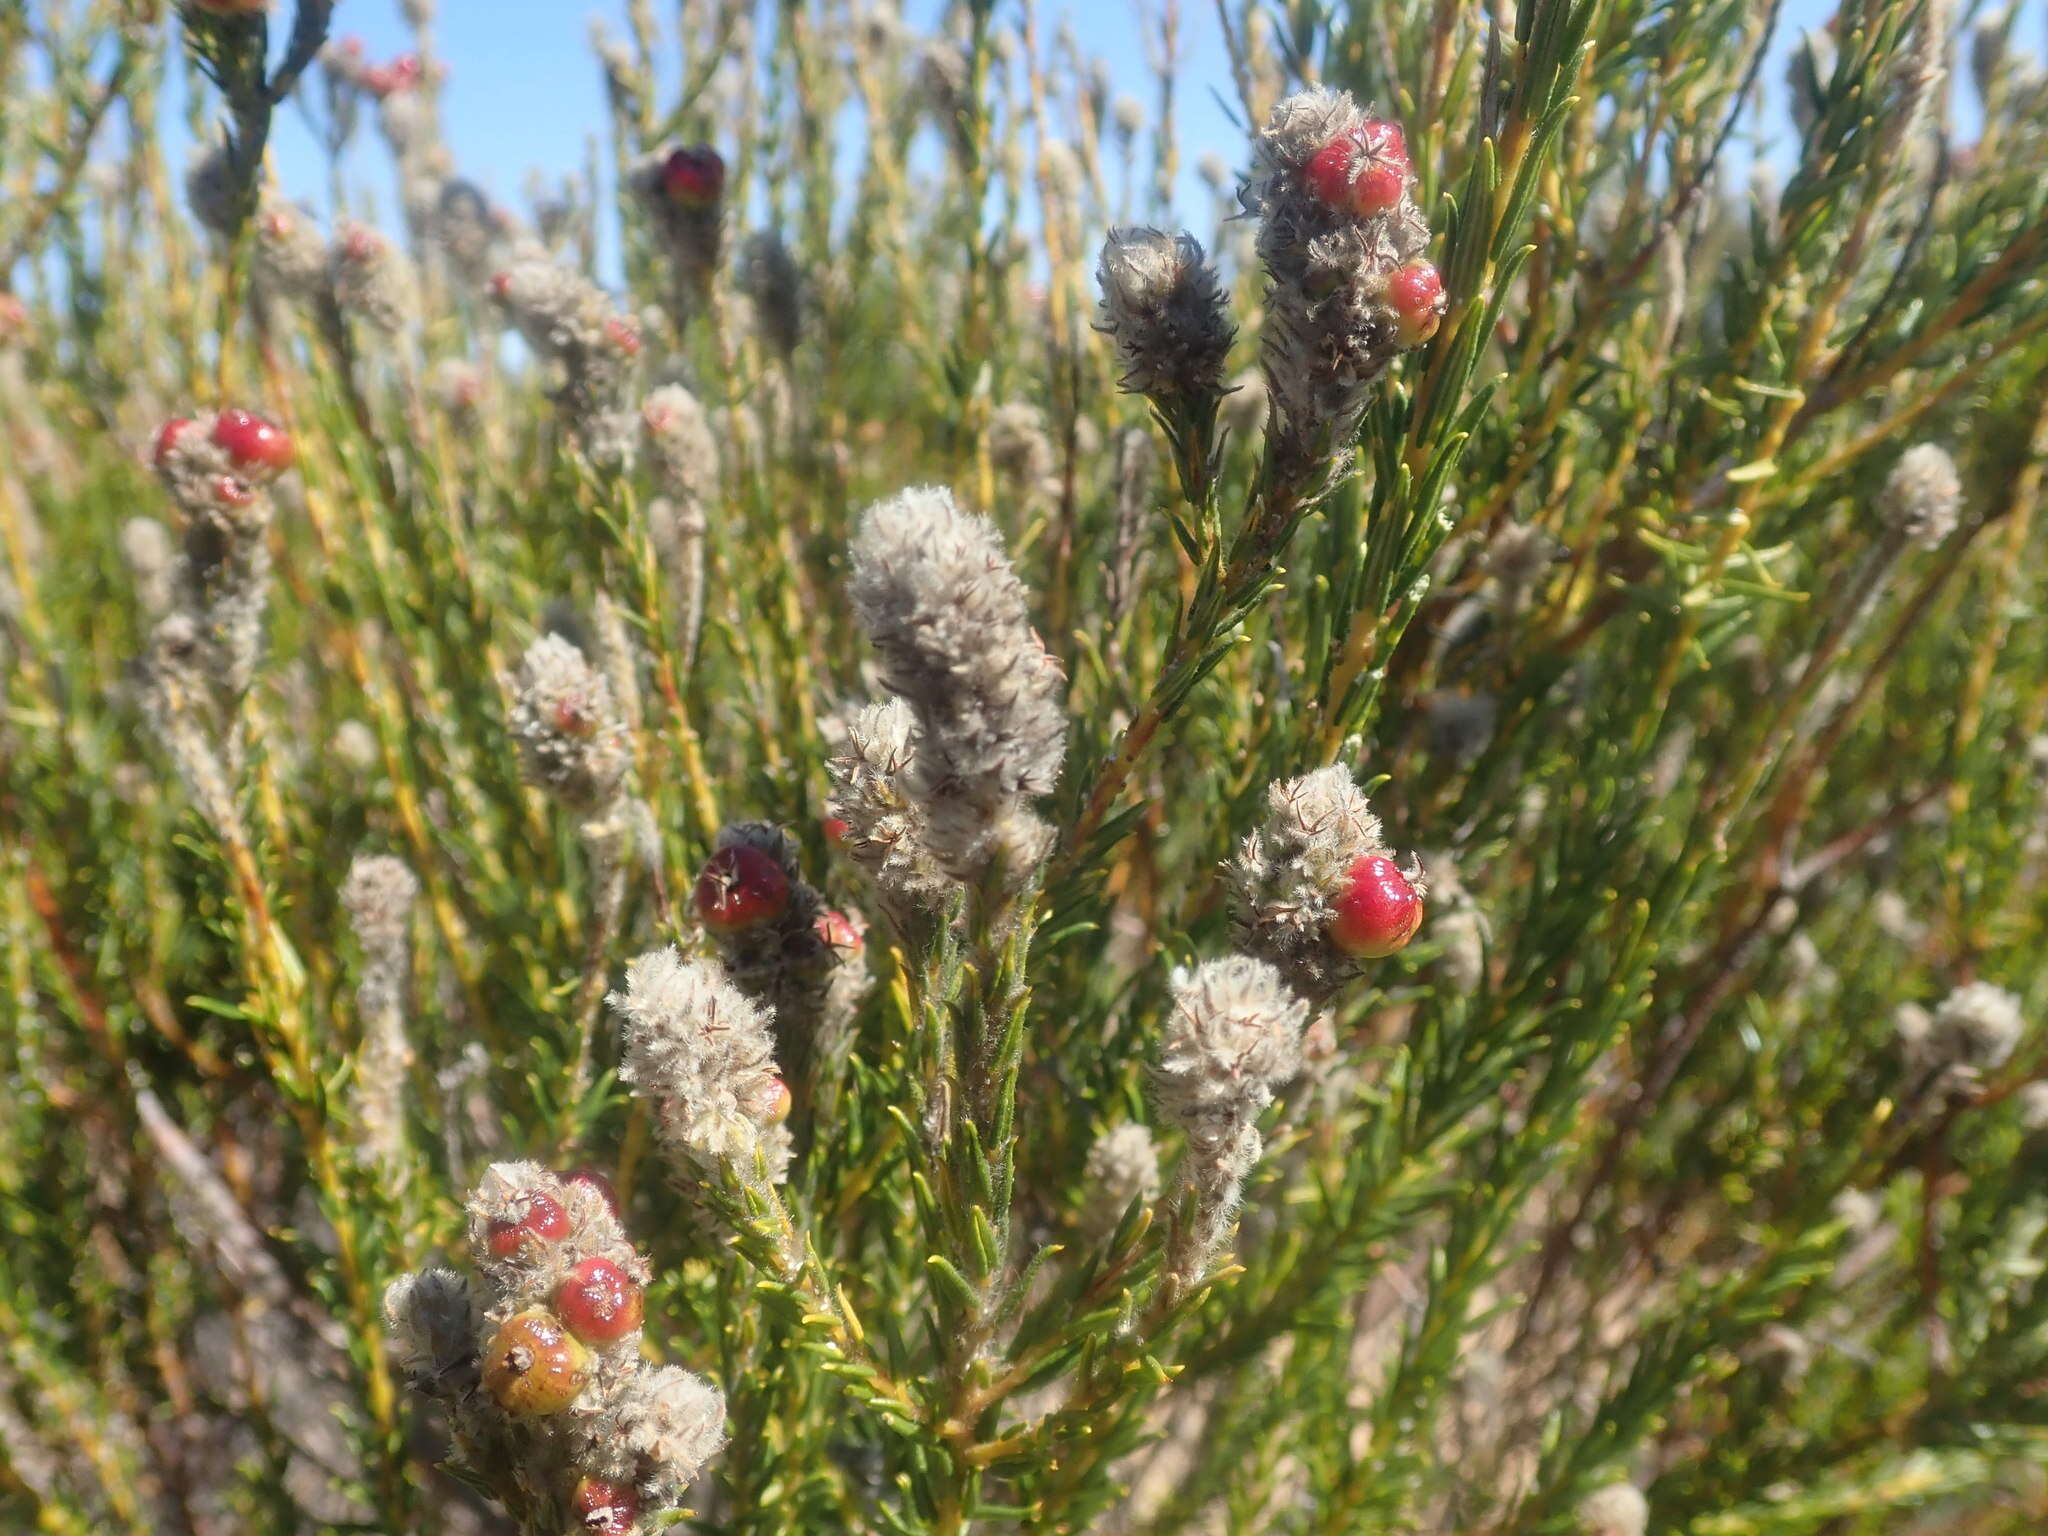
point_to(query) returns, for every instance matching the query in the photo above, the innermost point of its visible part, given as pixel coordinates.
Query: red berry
(1416, 293)
(590, 1178)
(741, 888)
(167, 437)
(605, 1509)
(534, 1219)
(598, 1302)
(694, 177)
(1364, 171)
(252, 442)
(230, 492)
(533, 1367)
(838, 932)
(1378, 910)
(774, 1105)
(624, 335)
(501, 286)
(836, 828)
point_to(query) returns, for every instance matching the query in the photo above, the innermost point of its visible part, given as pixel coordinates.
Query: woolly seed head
(1233, 1037)
(1166, 312)
(1922, 495)
(884, 830)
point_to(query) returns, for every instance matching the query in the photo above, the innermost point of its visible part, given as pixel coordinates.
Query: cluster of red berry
(1366, 172)
(539, 1360)
(256, 450)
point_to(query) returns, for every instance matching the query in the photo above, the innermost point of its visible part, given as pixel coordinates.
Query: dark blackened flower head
(1166, 312)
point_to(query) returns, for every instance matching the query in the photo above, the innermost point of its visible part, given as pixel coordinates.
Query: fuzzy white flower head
(675, 1421)
(1619, 1509)
(1123, 1165)
(1166, 312)
(935, 592)
(378, 895)
(571, 741)
(701, 1051)
(1233, 1037)
(1977, 1027)
(1922, 494)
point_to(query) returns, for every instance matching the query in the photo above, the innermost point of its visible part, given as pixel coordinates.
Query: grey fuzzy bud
(571, 742)
(1019, 447)
(212, 189)
(935, 592)
(290, 254)
(431, 1318)
(772, 279)
(680, 446)
(699, 1050)
(569, 320)
(1619, 1509)
(1233, 1037)
(1922, 495)
(373, 280)
(1166, 312)
(1977, 1027)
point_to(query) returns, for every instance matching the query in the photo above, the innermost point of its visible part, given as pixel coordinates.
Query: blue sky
(525, 91)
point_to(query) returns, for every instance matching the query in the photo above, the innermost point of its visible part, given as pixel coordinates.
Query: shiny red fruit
(252, 442)
(167, 437)
(230, 492)
(535, 1219)
(1416, 295)
(1377, 912)
(605, 1509)
(776, 1104)
(836, 828)
(599, 1302)
(532, 1367)
(741, 888)
(623, 334)
(836, 929)
(694, 177)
